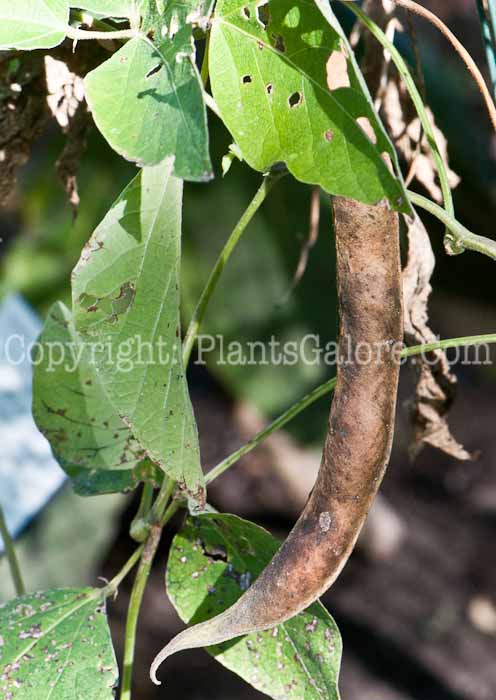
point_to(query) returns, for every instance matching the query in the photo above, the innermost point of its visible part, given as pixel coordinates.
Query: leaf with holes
(106, 8)
(57, 645)
(126, 307)
(288, 88)
(147, 101)
(89, 440)
(175, 14)
(32, 24)
(212, 562)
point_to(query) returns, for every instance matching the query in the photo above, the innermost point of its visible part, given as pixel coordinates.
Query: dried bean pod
(358, 442)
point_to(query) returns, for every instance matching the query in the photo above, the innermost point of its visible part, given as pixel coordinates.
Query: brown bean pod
(358, 442)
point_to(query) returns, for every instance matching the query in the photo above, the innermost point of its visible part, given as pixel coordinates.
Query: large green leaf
(56, 645)
(213, 560)
(70, 407)
(106, 8)
(126, 307)
(288, 88)
(32, 24)
(147, 101)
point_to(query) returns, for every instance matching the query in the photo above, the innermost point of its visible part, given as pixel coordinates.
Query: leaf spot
(246, 79)
(279, 44)
(329, 135)
(325, 521)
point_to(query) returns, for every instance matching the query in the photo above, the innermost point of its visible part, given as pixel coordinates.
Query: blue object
(29, 475)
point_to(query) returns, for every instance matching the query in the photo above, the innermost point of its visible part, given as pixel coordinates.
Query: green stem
(327, 388)
(146, 500)
(416, 99)
(448, 344)
(168, 486)
(114, 584)
(147, 553)
(83, 34)
(171, 510)
(140, 526)
(135, 601)
(268, 183)
(10, 553)
(461, 238)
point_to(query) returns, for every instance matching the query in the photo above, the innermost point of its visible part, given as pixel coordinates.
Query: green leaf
(32, 24)
(288, 88)
(212, 562)
(70, 407)
(126, 307)
(56, 645)
(147, 101)
(106, 8)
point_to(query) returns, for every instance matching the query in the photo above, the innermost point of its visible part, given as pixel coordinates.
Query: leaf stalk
(198, 315)
(11, 555)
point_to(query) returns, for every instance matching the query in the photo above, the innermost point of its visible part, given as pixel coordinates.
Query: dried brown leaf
(436, 384)
(66, 103)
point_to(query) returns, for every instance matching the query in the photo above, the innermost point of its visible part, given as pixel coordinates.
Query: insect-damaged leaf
(70, 407)
(166, 18)
(288, 88)
(32, 24)
(212, 562)
(126, 306)
(147, 101)
(57, 645)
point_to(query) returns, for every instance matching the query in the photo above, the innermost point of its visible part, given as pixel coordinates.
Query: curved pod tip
(218, 629)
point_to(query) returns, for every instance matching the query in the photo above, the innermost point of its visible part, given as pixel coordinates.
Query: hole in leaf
(279, 43)
(154, 70)
(246, 79)
(387, 159)
(295, 99)
(366, 126)
(263, 15)
(246, 12)
(269, 88)
(328, 135)
(337, 71)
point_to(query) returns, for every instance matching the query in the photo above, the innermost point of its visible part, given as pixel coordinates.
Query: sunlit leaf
(126, 307)
(56, 645)
(147, 101)
(32, 24)
(213, 560)
(288, 88)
